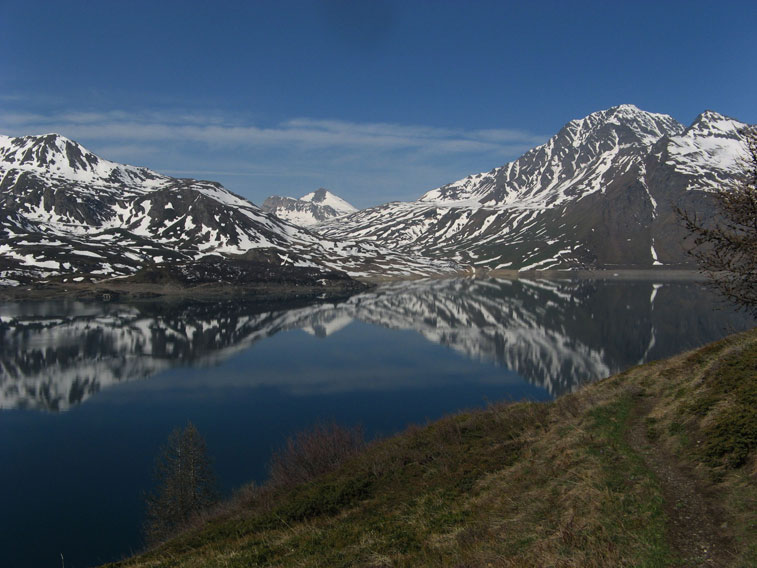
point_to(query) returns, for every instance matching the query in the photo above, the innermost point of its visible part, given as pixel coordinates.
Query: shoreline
(651, 274)
(112, 291)
(115, 289)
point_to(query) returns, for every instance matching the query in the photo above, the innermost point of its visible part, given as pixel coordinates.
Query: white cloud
(372, 159)
(307, 133)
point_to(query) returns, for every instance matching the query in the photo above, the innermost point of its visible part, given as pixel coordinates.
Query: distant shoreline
(114, 290)
(111, 290)
(614, 274)
(664, 274)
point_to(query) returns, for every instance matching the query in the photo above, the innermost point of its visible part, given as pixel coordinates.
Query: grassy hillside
(656, 466)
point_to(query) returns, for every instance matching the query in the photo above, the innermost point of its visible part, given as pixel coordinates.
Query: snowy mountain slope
(310, 209)
(325, 198)
(581, 159)
(708, 152)
(600, 193)
(555, 334)
(66, 212)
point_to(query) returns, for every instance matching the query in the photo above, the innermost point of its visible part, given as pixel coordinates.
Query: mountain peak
(324, 197)
(49, 152)
(625, 108)
(578, 160)
(52, 155)
(647, 127)
(712, 140)
(710, 115)
(318, 196)
(312, 208)
(713, 123)
(52, 141)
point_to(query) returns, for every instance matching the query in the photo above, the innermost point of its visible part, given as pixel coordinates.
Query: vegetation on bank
(656, 466)
(185, 484)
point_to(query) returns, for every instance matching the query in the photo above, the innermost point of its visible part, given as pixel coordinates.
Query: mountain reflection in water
(554, 334)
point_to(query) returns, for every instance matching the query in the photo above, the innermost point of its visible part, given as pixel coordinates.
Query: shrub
(313, 452)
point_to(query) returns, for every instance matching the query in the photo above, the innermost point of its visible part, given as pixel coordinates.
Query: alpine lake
(89, 391)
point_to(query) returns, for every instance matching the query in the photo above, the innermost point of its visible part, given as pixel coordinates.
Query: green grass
(636, 497)
(527, 484)
(727, 404)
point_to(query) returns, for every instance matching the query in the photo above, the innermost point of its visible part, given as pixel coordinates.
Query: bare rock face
(601, 193)
(310, 209)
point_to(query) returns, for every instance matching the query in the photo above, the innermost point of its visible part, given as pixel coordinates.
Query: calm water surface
(88, 392)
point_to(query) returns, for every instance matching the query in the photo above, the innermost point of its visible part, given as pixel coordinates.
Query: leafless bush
(313, 452)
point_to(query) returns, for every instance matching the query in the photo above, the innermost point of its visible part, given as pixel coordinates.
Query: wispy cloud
(304, 132)
(387, 155)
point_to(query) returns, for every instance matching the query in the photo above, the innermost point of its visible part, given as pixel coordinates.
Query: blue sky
(377, 100)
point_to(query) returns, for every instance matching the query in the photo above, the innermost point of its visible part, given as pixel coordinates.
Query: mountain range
(68, 214)
(601, 193)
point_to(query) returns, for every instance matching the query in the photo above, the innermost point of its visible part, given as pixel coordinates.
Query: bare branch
(726, 247)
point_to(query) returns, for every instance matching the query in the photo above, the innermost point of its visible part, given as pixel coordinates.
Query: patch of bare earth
(697, 532)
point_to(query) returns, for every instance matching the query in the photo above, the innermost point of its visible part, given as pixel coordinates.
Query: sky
(376, 100)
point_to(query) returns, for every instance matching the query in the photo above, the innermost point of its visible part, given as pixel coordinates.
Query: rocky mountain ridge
(67, 213)
(601, 193)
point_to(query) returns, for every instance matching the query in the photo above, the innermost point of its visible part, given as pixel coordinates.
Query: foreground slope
(601, 193)
(65, 212)
(656, 466)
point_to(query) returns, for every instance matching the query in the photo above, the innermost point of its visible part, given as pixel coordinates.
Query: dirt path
(696, 531)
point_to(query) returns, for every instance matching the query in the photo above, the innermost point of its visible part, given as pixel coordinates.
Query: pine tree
(184, 484)
(726, 247)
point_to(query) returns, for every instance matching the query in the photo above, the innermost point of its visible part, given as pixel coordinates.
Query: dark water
(88, 392)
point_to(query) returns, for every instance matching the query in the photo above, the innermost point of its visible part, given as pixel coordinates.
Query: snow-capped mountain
(310, 209)
(555, 334)
(600, 193)
(66, 212)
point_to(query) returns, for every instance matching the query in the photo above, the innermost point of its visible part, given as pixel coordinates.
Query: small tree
(726, 248)
(184, 484)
